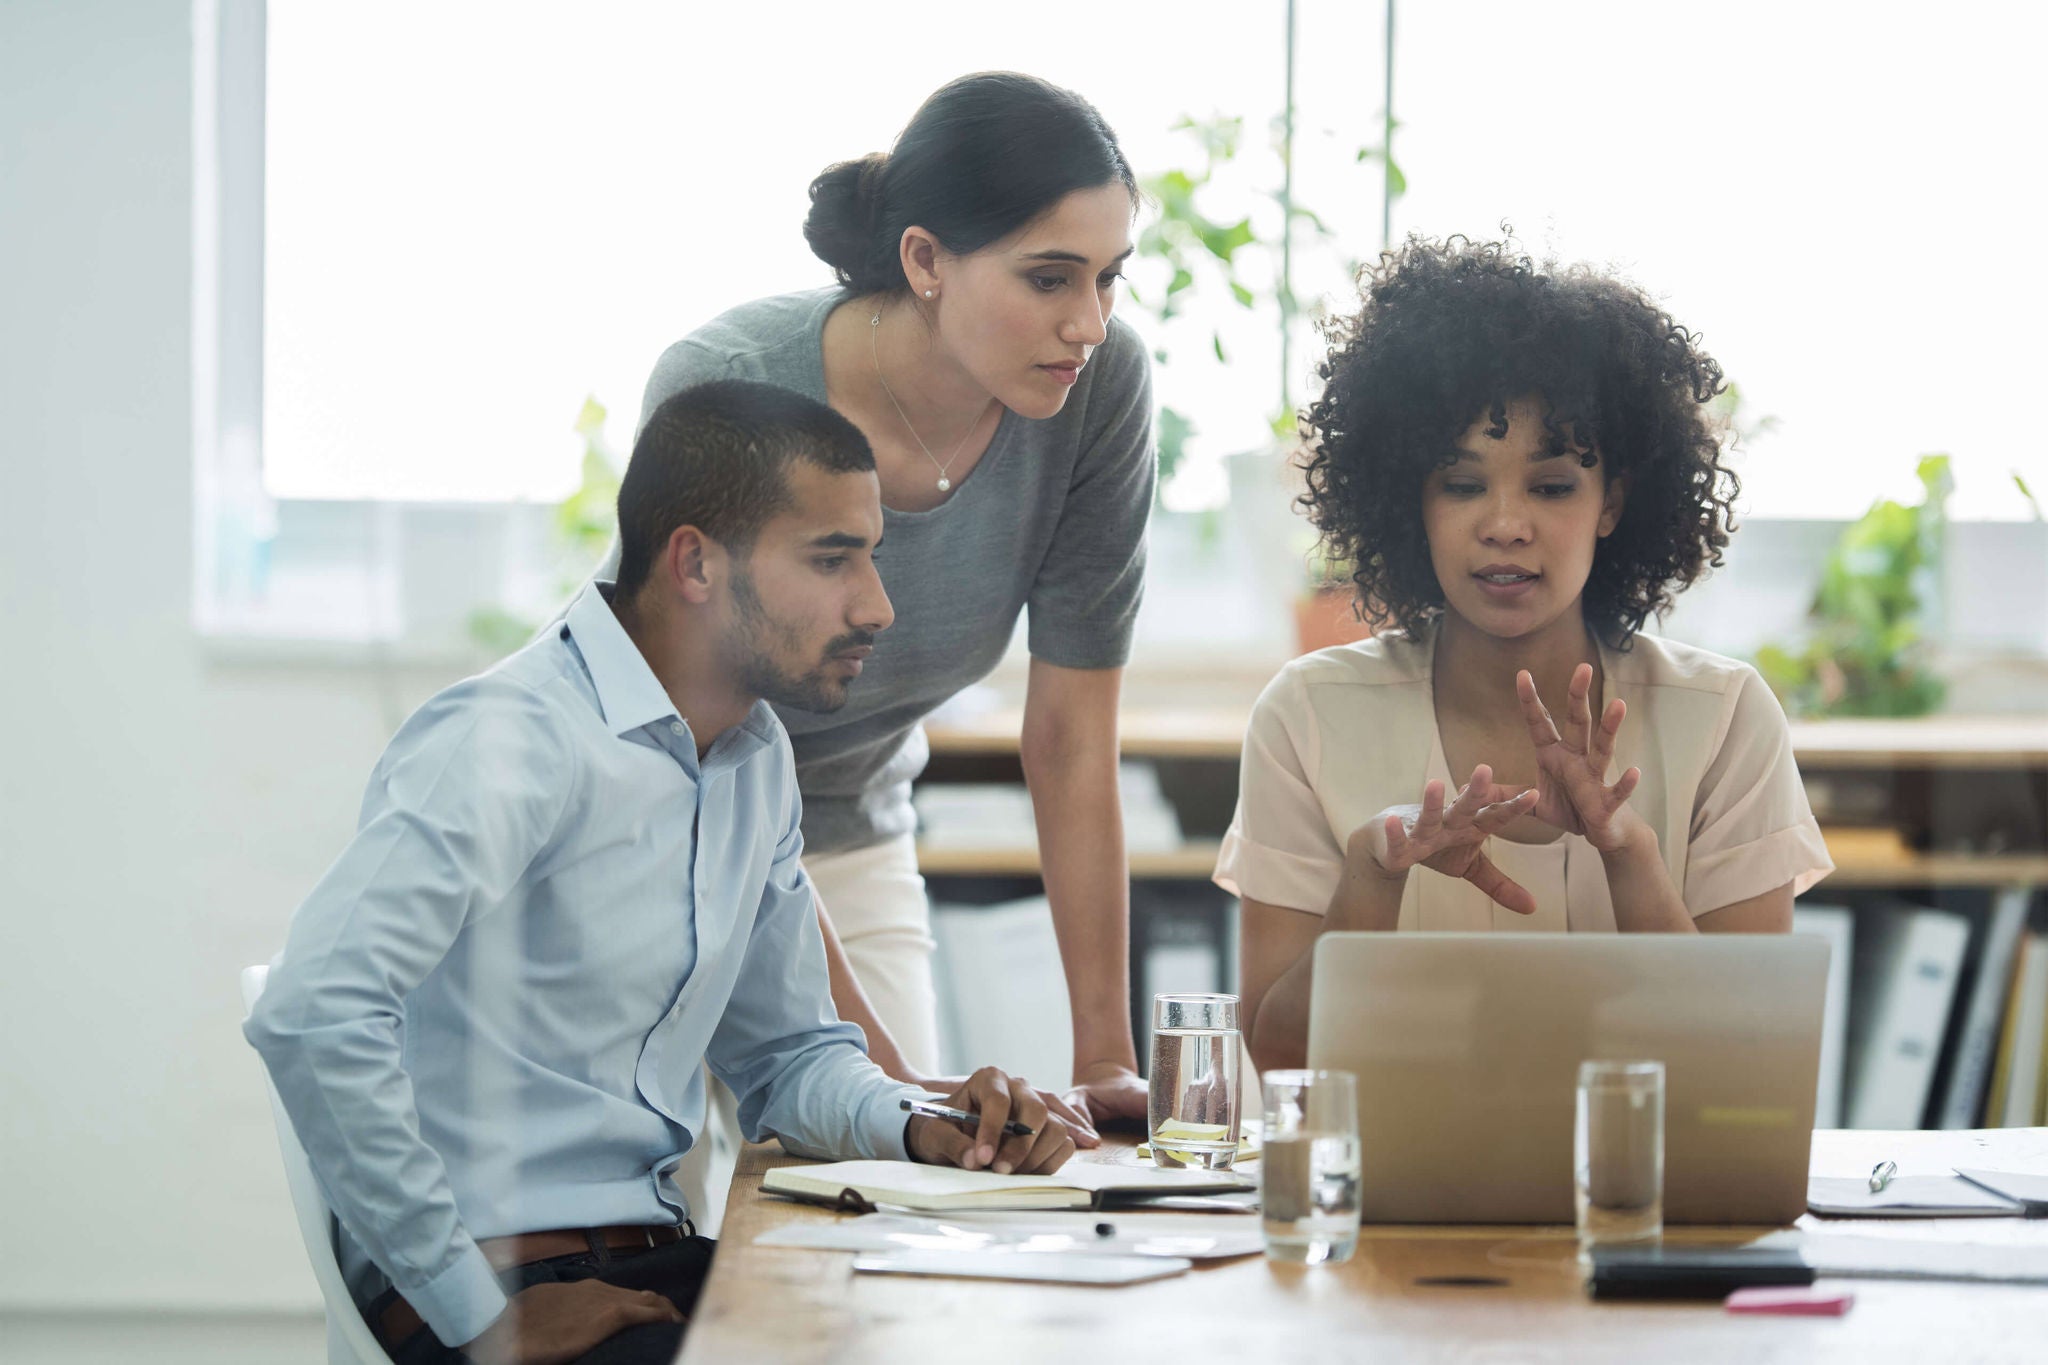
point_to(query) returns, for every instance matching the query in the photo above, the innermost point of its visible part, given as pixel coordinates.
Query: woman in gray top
(970, 338)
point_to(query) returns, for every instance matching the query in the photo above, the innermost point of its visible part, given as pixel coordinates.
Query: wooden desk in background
(801, 1305)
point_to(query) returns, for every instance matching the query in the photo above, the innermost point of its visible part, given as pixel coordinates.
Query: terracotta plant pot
(1325, 617)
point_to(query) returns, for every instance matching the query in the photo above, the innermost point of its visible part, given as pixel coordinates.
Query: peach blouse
(1344, 733)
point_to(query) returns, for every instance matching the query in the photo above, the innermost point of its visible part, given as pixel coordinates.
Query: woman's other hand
(1572, 788)
(1447, 839)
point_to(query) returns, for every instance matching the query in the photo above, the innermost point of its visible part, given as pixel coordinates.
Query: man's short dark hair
(716, 456)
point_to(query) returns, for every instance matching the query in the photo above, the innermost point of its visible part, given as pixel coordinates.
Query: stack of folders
(2018, 1095)
(1943, 1024)
(1907, 963)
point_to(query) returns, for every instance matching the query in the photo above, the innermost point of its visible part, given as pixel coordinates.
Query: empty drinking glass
(1618, 1152)
(1193, 1108)
(1308, 1166)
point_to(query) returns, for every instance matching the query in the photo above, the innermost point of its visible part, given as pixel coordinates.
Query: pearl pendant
(944, 483)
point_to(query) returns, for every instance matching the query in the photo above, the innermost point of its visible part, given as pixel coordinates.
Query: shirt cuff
(883, 1123)
(461, 1301)
(1798, 855)
(1288, 880)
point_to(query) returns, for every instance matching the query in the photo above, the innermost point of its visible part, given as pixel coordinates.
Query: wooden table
(789, 1304)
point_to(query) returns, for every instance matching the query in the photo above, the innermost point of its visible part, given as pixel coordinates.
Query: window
(476, 214)
(1835, 196)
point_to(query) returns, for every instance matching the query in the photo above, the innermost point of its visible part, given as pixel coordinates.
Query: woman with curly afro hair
(1521, 464)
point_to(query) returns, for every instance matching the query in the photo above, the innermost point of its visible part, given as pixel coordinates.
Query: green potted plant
(584, 523)
(1865, 651)
(1198, 263)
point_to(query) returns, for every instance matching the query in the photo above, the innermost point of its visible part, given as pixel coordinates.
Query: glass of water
(1618, 1152)
(1193, 1108)
(1308, 1167)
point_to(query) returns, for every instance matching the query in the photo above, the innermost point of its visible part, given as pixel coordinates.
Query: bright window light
(1837, 196)
(478, 213)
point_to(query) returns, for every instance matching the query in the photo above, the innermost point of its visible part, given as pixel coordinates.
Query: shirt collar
(628, 693)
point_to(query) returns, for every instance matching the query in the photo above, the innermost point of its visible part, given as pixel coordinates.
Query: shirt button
(675, 727)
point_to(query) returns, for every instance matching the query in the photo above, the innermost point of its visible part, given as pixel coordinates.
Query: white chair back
(349, 1339)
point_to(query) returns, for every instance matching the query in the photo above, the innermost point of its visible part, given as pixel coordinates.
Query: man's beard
(760, 638)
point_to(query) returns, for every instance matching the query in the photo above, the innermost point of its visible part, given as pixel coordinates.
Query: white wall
(160, 815)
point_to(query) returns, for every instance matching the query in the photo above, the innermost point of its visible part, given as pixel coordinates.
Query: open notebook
(863, 1185)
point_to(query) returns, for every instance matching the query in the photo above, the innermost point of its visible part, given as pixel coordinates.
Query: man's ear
(1611, 505)
(692, 563)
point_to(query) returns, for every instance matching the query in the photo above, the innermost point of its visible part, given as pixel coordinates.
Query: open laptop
(1467, 1049)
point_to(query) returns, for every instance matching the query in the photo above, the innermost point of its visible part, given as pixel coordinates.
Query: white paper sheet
(1194, 1237)
(1010, 1265)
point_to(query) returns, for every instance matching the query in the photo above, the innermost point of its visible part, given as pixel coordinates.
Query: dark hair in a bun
(985, 155)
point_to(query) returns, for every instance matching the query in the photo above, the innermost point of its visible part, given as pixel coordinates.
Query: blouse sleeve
(1752, 829)
(1279, 848)
(1084, 602)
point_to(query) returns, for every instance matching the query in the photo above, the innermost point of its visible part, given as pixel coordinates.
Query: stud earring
(927, 293)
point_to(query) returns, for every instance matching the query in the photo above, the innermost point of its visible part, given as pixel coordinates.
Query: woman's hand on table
(996, 1098)
(1106, 1091)
(1572, 788)
(1446, 838)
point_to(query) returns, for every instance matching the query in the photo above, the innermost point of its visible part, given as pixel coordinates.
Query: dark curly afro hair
(1450, 331)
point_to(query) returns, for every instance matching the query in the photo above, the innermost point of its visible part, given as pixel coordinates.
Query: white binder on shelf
(1836, 924)
(1907, 961)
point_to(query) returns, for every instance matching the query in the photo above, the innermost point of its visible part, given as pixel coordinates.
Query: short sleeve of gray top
(1051, 520)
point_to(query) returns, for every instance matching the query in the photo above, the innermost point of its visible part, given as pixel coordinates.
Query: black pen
(961, 1117)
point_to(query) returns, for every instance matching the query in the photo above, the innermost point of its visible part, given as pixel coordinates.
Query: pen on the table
(961, 1117)
(1881, 1175)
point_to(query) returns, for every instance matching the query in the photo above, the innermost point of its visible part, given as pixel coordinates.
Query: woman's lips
(1506, 585)
(1066, 374)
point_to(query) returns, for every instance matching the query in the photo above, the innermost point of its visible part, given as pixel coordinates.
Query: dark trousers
(675, 1271)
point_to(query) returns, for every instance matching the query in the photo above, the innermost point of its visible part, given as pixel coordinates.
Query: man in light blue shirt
(575, 882)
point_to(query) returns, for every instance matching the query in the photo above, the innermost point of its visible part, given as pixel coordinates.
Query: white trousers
(876, 902)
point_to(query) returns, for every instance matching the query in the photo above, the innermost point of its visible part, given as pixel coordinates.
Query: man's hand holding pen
(992, 1100)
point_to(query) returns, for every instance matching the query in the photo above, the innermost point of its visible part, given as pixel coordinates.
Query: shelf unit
(1919, 757)
(1863, 858)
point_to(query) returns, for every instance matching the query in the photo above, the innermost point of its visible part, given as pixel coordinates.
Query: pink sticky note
(1797, 1300)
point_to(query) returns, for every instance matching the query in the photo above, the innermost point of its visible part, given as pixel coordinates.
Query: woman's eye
(832, 564)
(1555, 490)
(1462, 488)
(1046, 284)
(1109, 281)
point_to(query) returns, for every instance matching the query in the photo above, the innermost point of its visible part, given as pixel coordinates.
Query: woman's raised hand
(1572, 788)
(1447, 839)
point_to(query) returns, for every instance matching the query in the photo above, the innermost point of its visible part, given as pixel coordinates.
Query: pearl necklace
(945, 483)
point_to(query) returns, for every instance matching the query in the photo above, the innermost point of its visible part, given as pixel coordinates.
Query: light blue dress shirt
(490, 1015)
